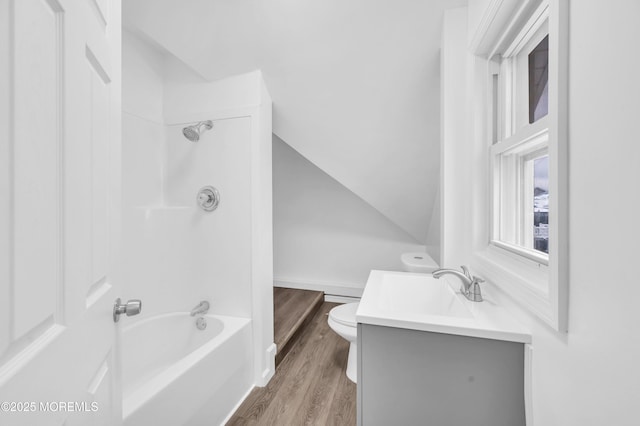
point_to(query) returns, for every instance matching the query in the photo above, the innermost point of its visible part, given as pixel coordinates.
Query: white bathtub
(175, 374)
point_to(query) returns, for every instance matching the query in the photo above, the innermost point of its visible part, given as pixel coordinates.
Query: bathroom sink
(417, 301)
(419, 294)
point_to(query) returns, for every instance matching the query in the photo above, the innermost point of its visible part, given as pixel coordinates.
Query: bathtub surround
(177, 254)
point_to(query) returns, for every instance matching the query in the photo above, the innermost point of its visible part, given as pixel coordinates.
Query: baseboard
(329, 288)
(340, 299)
(268, 373)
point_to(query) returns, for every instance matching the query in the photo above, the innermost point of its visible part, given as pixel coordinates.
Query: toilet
(418, 262)
(342, 318)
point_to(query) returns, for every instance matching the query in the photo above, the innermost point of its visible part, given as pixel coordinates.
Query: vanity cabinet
(410, 377)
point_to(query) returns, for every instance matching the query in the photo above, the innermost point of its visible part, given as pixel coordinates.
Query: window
(520, 148)
(539, 81)
(520, 234)
(521, 180)
(540, 197)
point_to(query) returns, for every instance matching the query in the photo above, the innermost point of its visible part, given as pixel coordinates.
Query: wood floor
(310, 386)
(293, 309)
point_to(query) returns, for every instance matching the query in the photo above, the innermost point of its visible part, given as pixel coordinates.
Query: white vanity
(429, 356)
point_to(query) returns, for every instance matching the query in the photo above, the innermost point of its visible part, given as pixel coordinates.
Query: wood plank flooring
(310, 386)
(292, 311)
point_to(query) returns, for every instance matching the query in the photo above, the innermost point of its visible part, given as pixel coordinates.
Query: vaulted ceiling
(355, 83)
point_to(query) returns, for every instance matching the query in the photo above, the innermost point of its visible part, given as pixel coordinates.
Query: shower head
(193, 132)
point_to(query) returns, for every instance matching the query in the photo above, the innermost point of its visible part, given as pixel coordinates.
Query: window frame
(532, 142)
(538, 282)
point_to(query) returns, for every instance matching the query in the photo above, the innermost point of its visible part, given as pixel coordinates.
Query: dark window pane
(541, 204)
(539, 80)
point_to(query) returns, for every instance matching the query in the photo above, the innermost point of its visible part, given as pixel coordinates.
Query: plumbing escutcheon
(201, 323)
(208, 198)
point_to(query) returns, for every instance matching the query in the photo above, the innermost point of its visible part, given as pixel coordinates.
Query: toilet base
(352, 363)
(342, 320)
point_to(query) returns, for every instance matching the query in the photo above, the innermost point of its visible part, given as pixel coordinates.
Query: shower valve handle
(208, 198)
(205, 198)
(132, 307)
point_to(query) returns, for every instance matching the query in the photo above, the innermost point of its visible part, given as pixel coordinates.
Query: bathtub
(174, 374)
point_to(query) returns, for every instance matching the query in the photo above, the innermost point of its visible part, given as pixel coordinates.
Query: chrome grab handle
(132, 307)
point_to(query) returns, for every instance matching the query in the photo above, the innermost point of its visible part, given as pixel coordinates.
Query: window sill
(530, 254)
(525, 281)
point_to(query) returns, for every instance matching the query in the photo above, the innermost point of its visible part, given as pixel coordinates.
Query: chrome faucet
(201, 309)
(470, 284)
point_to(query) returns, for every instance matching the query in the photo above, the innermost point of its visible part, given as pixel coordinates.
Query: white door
(59, 211)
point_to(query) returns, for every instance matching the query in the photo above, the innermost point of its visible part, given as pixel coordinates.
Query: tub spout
(200, 309)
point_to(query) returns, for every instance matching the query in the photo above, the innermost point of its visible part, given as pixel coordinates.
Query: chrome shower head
(193, 132)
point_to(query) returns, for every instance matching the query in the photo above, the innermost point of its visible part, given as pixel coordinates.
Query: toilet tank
(418, 262)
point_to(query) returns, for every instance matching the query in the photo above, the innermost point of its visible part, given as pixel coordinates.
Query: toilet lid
(345, 314)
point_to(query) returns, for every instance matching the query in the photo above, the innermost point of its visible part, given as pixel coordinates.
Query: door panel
(99, 107)
(36, 175)
(60, 210)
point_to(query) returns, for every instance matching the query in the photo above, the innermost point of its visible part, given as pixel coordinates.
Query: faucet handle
(474, 293)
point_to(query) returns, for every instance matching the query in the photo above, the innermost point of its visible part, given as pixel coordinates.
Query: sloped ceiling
(355, 83)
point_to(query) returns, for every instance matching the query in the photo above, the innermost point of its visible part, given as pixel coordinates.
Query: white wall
(189, 98)
(324, 235)
(454, 155)
(477, 9)
(591, 375)
(433, 240)
(143, 85)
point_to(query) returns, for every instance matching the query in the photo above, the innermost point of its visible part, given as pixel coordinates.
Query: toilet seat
(345, 314)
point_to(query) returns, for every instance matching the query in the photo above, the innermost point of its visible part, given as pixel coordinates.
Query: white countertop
(420, 302)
